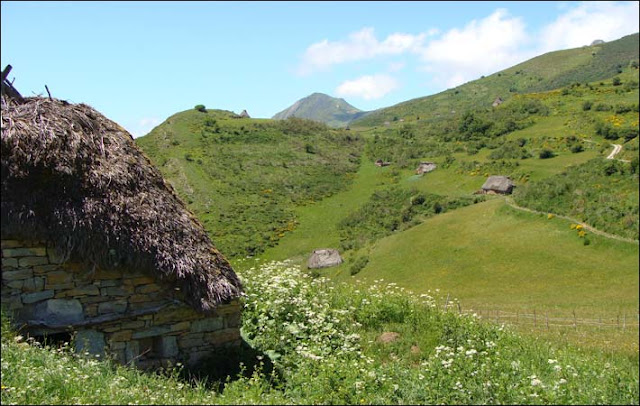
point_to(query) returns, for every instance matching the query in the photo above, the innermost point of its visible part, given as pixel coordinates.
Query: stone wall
(123, 313)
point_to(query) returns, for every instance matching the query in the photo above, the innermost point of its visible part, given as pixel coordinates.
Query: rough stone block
(132, 350)
(10, 244)
(17, 284)
(37, 296)
(117, 345)
(32, 261)
(90, 341)
(183, 326)
(34, 284)
(116, 291)
(59, 277)
(24, 252)
(148, 288)
(9, 263)
(168, 346)
(139, 298)
(87, 290)
(223, 336)
(91, 310)
(43, 269)
(123, 335)
(10, 275)
(172, 315)
(55, 312)
(93, 299)
(109, 282)
(151, 332)
(62, 289)
(208, 324)
(133, 324)
(112, 328)
(112, 307)
(108, 274)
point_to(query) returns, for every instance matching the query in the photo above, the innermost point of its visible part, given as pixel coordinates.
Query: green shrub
(359, 263)
(200, 108)
(616, 81)
(546, 153)
(587, 105)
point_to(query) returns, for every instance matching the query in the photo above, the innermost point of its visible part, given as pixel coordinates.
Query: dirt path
(616, 148)
(587, 227)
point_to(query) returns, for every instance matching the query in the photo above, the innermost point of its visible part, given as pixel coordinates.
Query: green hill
(323, 108)
(242, 177)
(545, 72)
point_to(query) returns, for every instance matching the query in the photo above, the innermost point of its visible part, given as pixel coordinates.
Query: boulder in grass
(324, 258)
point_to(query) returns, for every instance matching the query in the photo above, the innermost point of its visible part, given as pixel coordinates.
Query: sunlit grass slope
(492, 255)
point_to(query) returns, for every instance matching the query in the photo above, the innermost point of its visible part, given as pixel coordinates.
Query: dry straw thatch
(75, 178)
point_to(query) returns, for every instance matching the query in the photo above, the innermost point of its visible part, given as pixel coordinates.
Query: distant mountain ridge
(323, 108)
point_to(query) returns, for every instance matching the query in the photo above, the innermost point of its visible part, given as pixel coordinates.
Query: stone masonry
(124, 314)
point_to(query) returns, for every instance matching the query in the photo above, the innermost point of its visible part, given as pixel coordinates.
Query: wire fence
(543, 319)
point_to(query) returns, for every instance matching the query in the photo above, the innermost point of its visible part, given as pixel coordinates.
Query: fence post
(575, 324)
(446, 303)
(547, 316)
(459, 308)
(497, 316)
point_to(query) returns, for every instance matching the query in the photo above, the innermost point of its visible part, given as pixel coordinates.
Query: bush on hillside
(200, 108)
(546, 153)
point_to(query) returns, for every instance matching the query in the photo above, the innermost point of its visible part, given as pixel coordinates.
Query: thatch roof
(244, 114)
(502, 184)
(324, 258)
(75, 178)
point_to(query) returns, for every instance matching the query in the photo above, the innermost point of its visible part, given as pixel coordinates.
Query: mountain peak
(321, 107)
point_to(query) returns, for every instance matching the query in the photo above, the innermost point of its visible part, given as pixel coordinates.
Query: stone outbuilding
(498, 185)
(324, 258)
(97, 246)
(498, 101)
(425, 167)
(244, 114)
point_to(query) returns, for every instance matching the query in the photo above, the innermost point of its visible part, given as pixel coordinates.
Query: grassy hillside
(323, 108)
(340, 344)
(546, 72)
(243, 177)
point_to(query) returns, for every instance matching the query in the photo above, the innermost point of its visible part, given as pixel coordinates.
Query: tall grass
(327, 344)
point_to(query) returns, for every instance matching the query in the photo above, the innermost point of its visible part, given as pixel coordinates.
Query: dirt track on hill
(587, 227)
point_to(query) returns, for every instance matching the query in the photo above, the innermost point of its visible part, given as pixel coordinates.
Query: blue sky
(140, 62)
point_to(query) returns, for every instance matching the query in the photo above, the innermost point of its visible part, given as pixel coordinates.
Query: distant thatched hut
(244, 114)
(498, 185)
(324, 258)
(425, 167)
(94, 242)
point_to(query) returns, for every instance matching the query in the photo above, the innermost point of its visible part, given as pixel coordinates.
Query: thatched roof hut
(498, 184)
(77, 179)
(244, 114)
(425, 167)
(324, 258)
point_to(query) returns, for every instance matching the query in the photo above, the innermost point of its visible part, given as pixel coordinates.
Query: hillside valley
(280, 189)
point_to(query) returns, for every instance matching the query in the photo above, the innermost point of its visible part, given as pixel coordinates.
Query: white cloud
(590, 21)
(358, 46)
(144, 126)
(368, 87)
(396, 66)
(481, 47)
